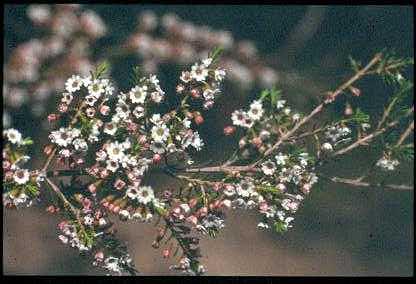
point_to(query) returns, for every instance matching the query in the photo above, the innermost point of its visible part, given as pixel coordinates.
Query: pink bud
(199, 119)
(6, 165)
(193, 202)
(195, 93)
(119, 184)
(99, 256)
(156, 158)
(92, 188)
(52, 117)
(192, 219)
(229, 130)
(166, 253)
(104, 110)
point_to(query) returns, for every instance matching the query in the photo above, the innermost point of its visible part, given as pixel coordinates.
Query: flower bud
(6, 165)
(51, 209)
(195, 93)
(242, 143)
(355, 91)
(63, 108)
(192, 202)
(119, 184)
(256, 142)
(52, 117)
(229, 130)
(166, 253)
(208, 104)
(199, 119)
(99, 256)
(92, 188)
(306, 188)
(90, 112)
(104, 110)
(348, 110)
(179, 88)
(48, 149)
(156, 158)
(192, 219)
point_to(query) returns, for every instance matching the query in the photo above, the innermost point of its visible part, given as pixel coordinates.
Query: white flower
(110, 128)
(239, 118)
(132, 192)
(90, 100)
(245, 188)
(296, 117)
(290, 205)
(73, 84)
(365, 126)
(268, 168)
(280, 104)
(256, 110)
(263, 225)
(186, 76)
(13, 136)
(96, 88)
(138, 94)
(112, 166)
(145, 194)
(156, 96)
(387, 164)
(86, 81)
(206, 62)
(88, 220)
(286, 111)
(156, 119)
(63, 137)
(229, 190)
(157, 147)
(199, 72)
(67, 98)
(327, 147)
(138, 112)
(281, 159)
(160, 133)
(80, 144)
(115, 151)
(21, 176)
(219, 74)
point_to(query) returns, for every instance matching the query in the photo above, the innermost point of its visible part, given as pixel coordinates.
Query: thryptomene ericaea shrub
(106, 143)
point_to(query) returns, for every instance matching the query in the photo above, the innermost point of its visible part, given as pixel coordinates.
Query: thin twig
(357, 183)
(370, 136)
(320, 107)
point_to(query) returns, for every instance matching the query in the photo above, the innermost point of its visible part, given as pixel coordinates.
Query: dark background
(339, 231)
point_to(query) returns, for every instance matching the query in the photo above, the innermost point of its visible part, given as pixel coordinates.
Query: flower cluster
(20, 184)
(387, 164)
(202, 81)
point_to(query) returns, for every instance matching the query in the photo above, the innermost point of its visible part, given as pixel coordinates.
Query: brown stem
(370, 136)
(406, 133)
(358, 183)
(320, 107)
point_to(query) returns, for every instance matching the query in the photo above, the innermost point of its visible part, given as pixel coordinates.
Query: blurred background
(303, 50)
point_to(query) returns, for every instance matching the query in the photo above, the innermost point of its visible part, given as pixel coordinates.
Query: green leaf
(280, 227)
(27, 141)
(100, 70)
(215, 53)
